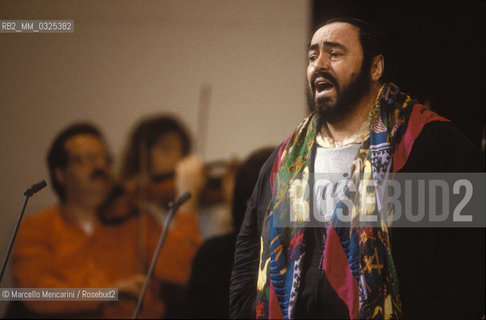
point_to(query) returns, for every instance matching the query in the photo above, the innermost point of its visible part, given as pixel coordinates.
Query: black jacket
(449, 282)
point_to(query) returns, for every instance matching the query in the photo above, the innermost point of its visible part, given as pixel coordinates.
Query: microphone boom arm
(172, 209)
(36, 187)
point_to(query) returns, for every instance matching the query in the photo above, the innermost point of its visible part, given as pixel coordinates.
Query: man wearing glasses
(68, 246)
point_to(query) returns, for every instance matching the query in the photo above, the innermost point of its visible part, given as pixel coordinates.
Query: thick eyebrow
(315, 46)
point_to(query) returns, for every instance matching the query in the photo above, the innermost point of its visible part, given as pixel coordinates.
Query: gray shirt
(332, 168)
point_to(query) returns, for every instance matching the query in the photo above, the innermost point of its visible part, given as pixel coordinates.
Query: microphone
(180, 200)
(36, 187)
(173, 206)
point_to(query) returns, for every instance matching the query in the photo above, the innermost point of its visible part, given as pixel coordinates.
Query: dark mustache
(100, 173)
(326, 75)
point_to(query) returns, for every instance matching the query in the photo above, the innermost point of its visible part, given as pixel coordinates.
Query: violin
(123, 202)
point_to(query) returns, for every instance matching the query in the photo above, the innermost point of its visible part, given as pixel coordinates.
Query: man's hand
(130, 287)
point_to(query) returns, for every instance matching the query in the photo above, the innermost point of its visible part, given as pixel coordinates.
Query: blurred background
(243, 61)
(131, 59)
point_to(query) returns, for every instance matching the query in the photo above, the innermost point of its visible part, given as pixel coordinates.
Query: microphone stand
(173, 206)
(28, 193)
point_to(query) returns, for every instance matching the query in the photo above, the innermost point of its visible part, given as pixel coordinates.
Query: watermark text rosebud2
(401, 200)
(59, 294)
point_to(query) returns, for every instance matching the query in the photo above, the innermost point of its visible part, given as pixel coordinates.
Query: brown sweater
(51, 252)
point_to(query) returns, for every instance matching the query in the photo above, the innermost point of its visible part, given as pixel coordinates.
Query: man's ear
(59, 173)
(377, 67)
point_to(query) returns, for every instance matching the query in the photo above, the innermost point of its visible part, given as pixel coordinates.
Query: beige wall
(127, 59)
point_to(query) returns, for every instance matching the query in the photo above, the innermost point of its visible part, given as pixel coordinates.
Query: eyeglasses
(91, 159)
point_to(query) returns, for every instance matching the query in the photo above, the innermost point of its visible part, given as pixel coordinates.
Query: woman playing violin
(156, 168)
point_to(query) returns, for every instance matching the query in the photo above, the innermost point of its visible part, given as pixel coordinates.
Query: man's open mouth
(323, 85)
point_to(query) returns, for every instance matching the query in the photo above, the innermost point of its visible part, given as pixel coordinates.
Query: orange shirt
(50, 252)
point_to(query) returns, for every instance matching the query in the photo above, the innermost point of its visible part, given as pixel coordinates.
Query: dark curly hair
(373, 42)
(147, 132)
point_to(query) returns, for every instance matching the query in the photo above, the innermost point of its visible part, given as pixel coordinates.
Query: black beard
(346, 101)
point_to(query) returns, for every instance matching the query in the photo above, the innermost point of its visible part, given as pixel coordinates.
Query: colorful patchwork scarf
(357, 259)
